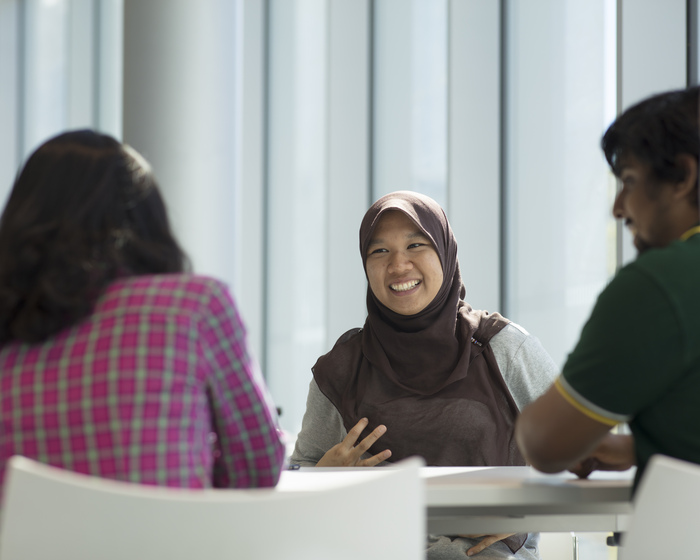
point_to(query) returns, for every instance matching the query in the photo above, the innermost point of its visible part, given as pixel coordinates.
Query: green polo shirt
(638, 358)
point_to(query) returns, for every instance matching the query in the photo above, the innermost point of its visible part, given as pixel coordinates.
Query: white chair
(666, 516)
(50, 513)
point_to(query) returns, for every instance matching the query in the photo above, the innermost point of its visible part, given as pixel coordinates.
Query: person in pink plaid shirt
(114, 362)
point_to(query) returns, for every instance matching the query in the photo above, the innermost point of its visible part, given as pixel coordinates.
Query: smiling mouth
(404, 286)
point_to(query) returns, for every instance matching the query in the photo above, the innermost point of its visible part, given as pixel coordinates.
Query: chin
(406, 312)
(642, 246)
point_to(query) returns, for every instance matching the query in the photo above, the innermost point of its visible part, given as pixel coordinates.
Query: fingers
(376, 459)
(353, 451)
(585, 467)
(366, 443)
(484, 543)
(354, 433)
(487, 541)
(350, 440)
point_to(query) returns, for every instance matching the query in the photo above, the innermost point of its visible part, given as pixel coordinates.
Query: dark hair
(656, 131)
(83, 211)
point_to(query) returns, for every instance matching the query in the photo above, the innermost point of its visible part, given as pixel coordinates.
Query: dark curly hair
(83, 211)
(656, 131)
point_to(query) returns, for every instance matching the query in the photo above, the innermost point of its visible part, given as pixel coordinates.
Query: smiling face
(403, 268)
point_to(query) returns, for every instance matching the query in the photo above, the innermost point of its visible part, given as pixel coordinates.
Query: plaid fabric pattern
(155, 387)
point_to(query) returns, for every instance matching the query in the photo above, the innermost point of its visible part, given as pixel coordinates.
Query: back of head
(84, 210)
(656, 131)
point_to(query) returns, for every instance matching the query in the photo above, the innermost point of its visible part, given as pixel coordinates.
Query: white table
(502, 499)
(507, 499)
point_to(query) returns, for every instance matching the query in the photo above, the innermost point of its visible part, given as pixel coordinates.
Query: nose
(618, 205)
(399, 263)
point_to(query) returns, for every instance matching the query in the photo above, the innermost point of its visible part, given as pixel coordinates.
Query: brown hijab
(430, 378)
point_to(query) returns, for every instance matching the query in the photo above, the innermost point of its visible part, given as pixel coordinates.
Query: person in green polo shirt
(638, 358)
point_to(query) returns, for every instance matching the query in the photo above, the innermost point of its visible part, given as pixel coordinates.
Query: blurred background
(273, 124)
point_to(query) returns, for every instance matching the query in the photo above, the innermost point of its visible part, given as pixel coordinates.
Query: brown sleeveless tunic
(466, 423)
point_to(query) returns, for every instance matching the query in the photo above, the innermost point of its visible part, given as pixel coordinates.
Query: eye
(415, 245)
(627, 180)
(377, 251)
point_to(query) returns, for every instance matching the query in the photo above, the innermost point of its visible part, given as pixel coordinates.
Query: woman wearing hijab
(427, 374)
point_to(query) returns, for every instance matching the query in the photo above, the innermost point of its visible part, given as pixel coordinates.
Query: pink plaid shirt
(155, 387)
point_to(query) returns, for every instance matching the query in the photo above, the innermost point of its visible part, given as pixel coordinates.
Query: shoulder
(192, 283)
(677, 263)
(679, 253)
(527, 368)
(347, 347)
(514, 345)
(512, 336)
(333, 371)
(347, 337)
(182, 291)
(659, 277)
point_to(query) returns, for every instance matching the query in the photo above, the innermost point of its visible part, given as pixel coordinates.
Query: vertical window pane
(9, 94)
(410, 97)
(111, 67)
(46, 70)
(296, 288)
(560, 96)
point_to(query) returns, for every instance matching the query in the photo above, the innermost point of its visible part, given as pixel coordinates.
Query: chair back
(52, 513)
(666, 515)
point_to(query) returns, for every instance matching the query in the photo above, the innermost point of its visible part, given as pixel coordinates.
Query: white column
(179, 112)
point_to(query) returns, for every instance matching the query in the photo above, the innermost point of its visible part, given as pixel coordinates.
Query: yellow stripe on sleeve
(688, 234)
(578, 406)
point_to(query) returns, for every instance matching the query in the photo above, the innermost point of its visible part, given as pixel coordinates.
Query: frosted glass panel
(46, 70)
(410, 97)
(560, 97)
(296, 279)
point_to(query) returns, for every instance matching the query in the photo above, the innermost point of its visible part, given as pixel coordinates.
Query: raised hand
(348, 453)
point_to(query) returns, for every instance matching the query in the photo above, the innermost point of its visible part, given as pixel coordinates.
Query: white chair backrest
(666, 516)
(49, 513)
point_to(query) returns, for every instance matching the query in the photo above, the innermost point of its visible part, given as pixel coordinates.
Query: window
(560, 95)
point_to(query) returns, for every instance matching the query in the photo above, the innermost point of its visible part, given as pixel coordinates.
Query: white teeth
(405, 286)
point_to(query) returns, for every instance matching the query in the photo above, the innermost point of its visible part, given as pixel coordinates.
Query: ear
(687, 188)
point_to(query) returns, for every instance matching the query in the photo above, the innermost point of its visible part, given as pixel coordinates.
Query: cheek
(373, 277)
(436, 270)
(439, 276)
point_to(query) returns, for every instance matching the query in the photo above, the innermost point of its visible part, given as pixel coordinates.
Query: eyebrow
(413, 235)
(627, 170)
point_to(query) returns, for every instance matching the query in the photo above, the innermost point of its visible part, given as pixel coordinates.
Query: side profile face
(648, 209)
(403, 268)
